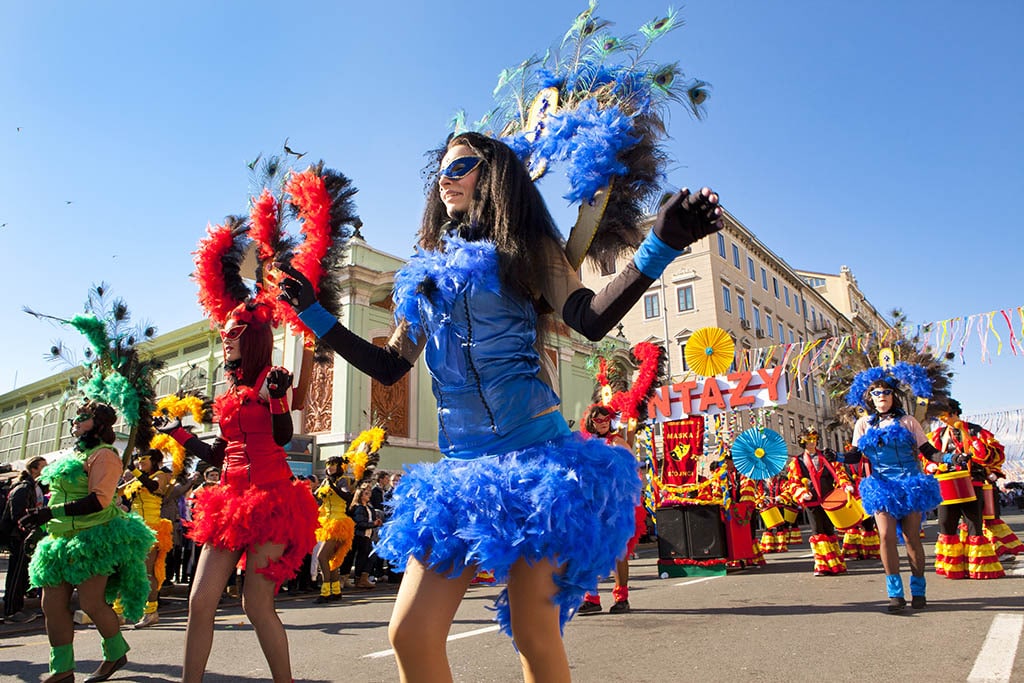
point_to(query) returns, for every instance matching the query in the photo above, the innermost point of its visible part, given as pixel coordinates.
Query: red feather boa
(264, 227)
(627, 403)
(209, 273)
(309, 195)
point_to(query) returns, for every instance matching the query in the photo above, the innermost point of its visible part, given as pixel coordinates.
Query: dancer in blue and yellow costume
(896, 491)
(91, 544)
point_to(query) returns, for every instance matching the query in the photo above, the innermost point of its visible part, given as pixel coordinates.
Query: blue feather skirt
(900, 497)
(570, 500)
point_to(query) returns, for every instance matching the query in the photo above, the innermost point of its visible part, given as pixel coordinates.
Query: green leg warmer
(114, 647)
(62, 658)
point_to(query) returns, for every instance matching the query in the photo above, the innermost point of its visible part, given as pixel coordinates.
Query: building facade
(341, 402)
(733, 281)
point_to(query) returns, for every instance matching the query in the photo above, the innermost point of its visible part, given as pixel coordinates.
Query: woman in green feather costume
(91, 544)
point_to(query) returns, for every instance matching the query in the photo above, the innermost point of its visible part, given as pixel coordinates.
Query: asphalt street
(776, 623)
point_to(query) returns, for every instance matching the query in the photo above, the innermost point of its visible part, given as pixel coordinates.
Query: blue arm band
(948, 458)
(653, 256)
(318, 319)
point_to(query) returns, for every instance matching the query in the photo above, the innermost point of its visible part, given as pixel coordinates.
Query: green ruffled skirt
(116, 549)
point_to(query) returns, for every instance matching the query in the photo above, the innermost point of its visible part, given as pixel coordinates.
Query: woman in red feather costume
(258, 513)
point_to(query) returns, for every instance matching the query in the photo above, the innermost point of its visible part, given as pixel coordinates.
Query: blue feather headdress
(605, 125)
(907, 374)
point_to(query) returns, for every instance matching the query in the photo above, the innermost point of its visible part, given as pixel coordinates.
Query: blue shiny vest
(890, 448)
(480, 347)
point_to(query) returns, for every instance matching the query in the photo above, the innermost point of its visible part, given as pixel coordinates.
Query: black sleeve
(18, 500)
(83, 506)
(928, 450)
(361, 516)
(283, 428)
(594, 315)
(212, 454)
(147, 481)
(852, 456)
(384, 364)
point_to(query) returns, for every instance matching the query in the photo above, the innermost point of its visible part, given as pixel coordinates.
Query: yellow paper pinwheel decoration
(709, 351)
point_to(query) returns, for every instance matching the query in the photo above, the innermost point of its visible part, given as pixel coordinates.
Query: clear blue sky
(885, 136)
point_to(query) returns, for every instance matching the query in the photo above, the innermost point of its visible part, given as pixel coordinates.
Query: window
(812, 314)
(684, 297)
(796, 304)
(769, 327)
(651, 306)
(757, 318)
(775, 286)
(682, 352)
(764, 279)
(742, 307)
(166, 385)
(792, 339)
(751, 270)
(785, 291)
(736, 256)
(721, 245)
(782, 336)
(726, 299)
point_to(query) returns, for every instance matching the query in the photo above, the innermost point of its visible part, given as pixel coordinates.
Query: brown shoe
(364, 581)
(106, 670)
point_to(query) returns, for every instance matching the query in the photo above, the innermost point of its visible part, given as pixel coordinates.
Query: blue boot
(917, 591)
(894, 588)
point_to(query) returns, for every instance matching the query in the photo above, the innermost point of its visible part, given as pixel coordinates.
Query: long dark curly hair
(506, 208)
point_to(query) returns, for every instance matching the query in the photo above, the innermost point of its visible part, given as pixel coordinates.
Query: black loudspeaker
(705, 532)
(691, 532)
(672, 543)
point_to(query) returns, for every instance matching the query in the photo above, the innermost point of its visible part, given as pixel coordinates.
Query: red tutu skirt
(237, 518)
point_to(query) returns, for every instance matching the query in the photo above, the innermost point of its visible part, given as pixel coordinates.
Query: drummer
(810, 478)
(967, 448)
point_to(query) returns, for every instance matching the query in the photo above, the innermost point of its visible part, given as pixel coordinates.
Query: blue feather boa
(588, 139)
(900, 497)
(892, 434)
(570, 500)
(426, 287)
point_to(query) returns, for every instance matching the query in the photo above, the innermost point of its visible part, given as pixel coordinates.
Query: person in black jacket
(25, 495)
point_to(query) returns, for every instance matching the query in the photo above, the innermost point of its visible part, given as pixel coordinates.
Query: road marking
(693, 581)
(995, 661)
(457, 636)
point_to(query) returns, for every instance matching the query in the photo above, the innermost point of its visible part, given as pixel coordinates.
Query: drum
(956, 487)
(772, 517)
(789, 514)
(988, 501)
(844, 510)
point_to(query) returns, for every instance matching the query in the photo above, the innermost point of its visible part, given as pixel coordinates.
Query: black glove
(686, 217)
(278, 381)
(33, 519)
(166, 425)
(296, 289)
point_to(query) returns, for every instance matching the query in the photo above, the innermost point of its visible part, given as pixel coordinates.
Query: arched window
(49, 430)
(166, 386)
(194, 379)
(220, 384)
(35, 435)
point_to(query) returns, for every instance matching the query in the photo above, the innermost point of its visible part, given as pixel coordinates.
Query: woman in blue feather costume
(897, 491)
(516, 492)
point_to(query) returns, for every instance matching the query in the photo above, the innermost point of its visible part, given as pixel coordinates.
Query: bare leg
(531, 589)
(423, 614)
(887, 542)
(323, 558)
(60, 627)
(215, 567)
(92, 598)
(912, 538)
(258, 603)
(622, 572)
(154, 589)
